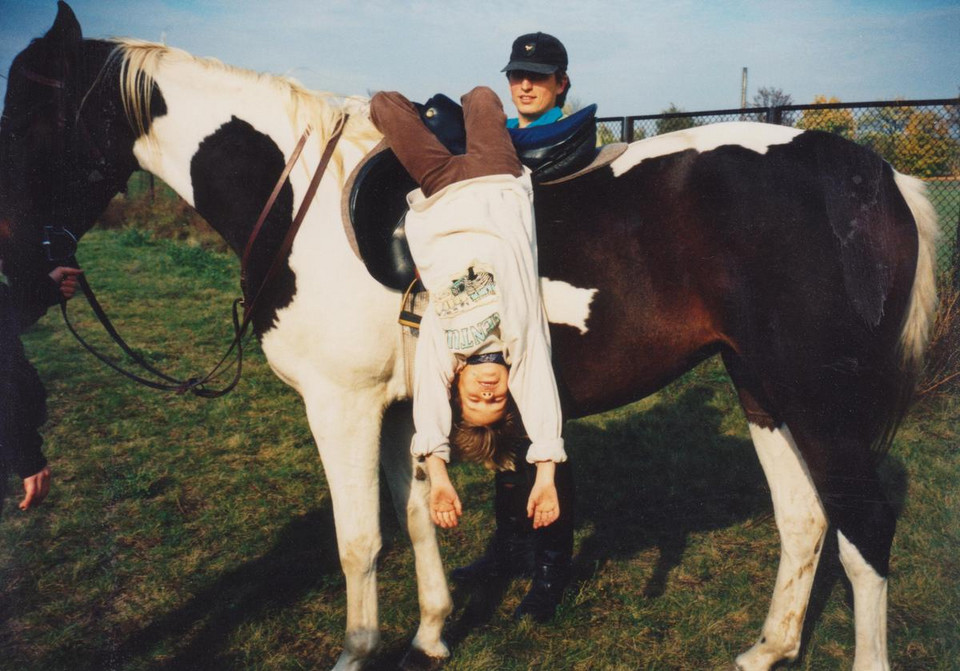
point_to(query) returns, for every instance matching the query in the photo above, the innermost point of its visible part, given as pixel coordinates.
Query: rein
(197, 385)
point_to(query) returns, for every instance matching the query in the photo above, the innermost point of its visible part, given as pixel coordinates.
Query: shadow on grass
(250, 592)
(654, 478)
(647, 480)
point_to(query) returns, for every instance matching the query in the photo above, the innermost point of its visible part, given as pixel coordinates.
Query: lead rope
(196, 385)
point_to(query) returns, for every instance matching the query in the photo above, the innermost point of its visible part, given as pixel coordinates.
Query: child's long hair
(494, 445)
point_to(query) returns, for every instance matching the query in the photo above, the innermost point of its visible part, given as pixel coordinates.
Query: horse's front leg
(346, 427)
(409, 489)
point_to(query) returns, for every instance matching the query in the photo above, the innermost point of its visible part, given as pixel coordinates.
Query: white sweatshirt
(474, 244)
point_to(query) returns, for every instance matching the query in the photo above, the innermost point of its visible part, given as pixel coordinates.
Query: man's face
(534, 93)
(483, 392)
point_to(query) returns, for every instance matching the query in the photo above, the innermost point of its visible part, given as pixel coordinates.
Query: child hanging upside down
(484, 343)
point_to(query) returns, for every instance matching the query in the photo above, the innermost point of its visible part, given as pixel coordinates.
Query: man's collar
(548, 117)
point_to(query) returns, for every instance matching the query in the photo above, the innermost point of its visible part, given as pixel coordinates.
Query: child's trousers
(489, 148)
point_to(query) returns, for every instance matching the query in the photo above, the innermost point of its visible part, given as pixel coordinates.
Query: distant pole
(743, 90)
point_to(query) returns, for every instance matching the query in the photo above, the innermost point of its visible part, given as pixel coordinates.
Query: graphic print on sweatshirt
(466, 292)
(468, 309)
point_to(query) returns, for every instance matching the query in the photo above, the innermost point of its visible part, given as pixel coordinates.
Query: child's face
(483, 392)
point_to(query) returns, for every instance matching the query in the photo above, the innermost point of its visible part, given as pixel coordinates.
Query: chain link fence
(920, 138)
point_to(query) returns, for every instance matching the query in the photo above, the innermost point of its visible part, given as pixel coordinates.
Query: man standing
(537, 73)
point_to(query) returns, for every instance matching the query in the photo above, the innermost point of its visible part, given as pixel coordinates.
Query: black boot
(550, 578)
(510, 551)
(553, 549)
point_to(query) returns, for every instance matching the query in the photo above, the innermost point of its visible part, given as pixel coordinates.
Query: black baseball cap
(537, 52)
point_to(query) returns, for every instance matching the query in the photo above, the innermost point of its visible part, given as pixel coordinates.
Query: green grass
(197, 534)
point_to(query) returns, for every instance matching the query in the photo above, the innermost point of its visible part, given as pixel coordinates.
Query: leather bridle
(54, 235)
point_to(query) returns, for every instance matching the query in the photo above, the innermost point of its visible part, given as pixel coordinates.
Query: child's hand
(444, 503)
(543, 506)
(445, 507)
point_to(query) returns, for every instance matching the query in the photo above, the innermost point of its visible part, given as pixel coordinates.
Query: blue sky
(629, 56)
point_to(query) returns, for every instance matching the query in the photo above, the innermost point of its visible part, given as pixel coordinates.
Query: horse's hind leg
(858, 509)
(802, 524)
(409, 489)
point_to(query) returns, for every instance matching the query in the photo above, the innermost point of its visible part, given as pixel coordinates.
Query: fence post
(955, 271)
(626, 130)
(775, 115)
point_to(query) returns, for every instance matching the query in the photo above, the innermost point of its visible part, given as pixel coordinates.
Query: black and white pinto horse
(803, 259)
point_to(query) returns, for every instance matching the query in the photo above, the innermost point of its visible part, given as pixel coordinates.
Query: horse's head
(65, 144)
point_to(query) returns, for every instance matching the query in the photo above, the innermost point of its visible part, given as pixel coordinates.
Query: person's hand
(444, 503)
(35, 488)
(445, 509)
(66, 279)
(543, 506)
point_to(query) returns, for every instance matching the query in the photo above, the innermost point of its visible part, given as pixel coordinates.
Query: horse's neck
(199, 102)
(224, 137)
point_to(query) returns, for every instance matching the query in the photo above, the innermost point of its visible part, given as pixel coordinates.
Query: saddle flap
(374, 217)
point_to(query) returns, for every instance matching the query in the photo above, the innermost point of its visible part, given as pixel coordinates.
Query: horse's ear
(66, 28)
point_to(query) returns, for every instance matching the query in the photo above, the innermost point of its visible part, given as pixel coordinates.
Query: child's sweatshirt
(474, 244)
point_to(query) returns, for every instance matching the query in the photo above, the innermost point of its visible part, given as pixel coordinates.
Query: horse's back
(764, 240)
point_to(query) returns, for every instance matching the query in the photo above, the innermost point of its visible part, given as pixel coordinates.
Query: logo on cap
(530, 48)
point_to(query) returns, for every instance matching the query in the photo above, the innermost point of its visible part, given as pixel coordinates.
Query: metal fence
(918, 137)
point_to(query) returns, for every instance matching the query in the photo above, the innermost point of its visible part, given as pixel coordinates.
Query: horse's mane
(139, 61)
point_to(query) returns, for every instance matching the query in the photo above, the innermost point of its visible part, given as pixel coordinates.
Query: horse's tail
(921, 310)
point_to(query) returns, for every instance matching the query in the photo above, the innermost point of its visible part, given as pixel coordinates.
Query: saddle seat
(375, 205)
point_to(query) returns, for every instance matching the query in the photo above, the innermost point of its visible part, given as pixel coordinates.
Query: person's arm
(433, 373)
(445, 508)
(525, 332)
(35, 294)
(432, 417)
(543, 505)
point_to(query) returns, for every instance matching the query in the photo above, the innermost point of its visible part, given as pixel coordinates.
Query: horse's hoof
(418, 660)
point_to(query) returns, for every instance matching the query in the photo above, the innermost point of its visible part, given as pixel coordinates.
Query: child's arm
(543, 506)
(445, 507)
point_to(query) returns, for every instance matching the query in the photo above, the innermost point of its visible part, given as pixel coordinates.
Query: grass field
(191, 534)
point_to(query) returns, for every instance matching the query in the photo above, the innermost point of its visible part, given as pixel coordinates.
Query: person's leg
(490, 150)
(510, 551)
(417, 149)
(553, 550)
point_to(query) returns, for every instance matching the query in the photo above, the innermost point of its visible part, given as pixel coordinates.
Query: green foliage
(151, 205)
(916, 141)
(926, 147)
(671, 124)
(839, 121)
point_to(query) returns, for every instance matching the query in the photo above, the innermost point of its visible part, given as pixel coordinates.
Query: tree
(926, 149)
(671, 124)
(771, 97)
(882, 129)
(839, 121)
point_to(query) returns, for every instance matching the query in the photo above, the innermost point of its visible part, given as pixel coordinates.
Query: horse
(802, 259)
